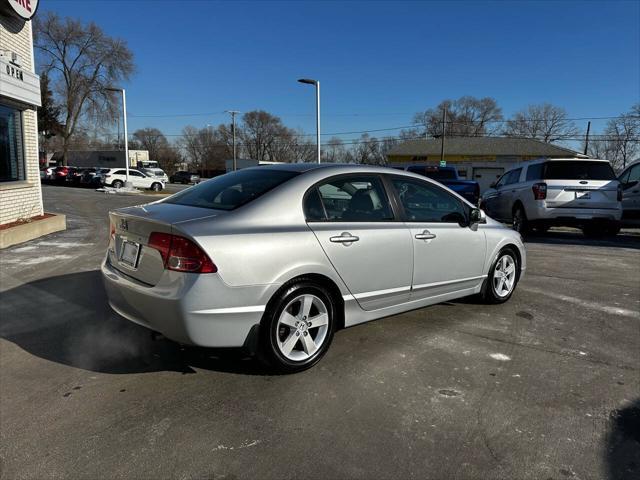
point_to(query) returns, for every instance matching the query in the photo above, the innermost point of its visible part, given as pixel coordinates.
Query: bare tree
(368, 150)
(334, 151)
(152, 140)
(466, 116)
(545, 122)
(620, 142)
(191, 146)
(82, 61)
(265, 137)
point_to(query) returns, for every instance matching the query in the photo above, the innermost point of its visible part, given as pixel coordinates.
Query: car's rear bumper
(188, 308)
(574, 215)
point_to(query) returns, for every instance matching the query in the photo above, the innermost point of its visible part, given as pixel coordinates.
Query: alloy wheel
(302, 327)
(504, 276)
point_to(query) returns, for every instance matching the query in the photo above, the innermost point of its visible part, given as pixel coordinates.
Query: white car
(156, 173)
(583, 193)
(116, 177)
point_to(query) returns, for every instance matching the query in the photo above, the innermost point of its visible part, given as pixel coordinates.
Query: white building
(20, 193)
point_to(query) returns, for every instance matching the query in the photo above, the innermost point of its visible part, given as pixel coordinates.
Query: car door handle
(426, 235)
(345, 237)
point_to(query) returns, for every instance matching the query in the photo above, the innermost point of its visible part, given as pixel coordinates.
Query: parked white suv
(156, 173)
(115, 177)
(539, 194)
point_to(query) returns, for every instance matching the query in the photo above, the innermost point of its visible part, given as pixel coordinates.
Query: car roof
(309, 166)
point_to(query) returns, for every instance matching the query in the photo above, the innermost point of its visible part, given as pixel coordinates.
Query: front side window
(231, 190)
(353, 198)
(514, 176)
(11, 145)
(424, 202)
(502, 181)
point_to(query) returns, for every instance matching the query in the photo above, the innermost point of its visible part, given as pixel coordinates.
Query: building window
(11, 145)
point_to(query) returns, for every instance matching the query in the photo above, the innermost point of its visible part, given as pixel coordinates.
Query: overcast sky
(378, 62)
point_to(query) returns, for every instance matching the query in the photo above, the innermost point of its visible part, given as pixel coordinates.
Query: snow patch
(500, 356)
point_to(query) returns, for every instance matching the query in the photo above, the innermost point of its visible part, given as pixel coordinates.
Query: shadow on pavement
(623, 443)
(622, 240)
(66, 319)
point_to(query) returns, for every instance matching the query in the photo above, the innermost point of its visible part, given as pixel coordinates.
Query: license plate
(129, 255)
(583, 195)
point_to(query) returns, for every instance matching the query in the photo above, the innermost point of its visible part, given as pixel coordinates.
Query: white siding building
(20, 193)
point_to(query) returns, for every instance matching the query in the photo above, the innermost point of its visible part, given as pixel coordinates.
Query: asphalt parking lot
(546, 386)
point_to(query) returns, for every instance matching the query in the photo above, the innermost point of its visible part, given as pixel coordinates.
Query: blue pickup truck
(448, 176)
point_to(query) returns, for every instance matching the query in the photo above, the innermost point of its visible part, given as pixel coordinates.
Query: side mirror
(477, 216)
(493, 185)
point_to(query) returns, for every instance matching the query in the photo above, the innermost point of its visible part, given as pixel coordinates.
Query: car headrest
(361, 201)
(231, 196)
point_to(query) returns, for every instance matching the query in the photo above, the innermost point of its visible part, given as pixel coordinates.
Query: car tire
(156, 187)
(289, 341)
(117, 184)
(520, 221)
(492, 291)
(613, 229)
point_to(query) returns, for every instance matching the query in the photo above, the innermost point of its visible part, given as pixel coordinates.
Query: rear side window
(353, 198)
(534, 172)
(232, 190)
(578, 170)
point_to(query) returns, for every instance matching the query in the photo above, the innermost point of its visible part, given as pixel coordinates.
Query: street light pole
(233, 127)
(317, 85)
(126, 137)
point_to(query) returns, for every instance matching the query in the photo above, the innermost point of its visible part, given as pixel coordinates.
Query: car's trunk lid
(129, 250)
(582, 193)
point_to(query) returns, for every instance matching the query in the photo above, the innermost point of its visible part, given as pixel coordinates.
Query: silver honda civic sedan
(277, 258)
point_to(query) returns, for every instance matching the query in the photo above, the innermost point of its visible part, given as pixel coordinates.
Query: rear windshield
(232, 190)
(576, 170)
(434, 172)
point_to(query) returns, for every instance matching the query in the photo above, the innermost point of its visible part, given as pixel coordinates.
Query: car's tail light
(619, 192)
(181, 254)
(539, 191)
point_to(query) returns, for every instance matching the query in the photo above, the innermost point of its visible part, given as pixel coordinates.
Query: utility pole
(444, 133)
(233, 128)
(586, 142)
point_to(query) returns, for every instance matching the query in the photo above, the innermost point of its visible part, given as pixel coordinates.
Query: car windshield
(232, 190)
(577, 170)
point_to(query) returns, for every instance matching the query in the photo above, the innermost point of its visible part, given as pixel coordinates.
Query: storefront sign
(15, 72)
(24, 9)
(19, 84)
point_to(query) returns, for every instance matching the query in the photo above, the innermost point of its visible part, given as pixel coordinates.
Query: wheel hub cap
(302, 327)
(504, 276)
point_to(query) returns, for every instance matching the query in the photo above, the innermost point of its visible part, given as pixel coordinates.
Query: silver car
(277, 258)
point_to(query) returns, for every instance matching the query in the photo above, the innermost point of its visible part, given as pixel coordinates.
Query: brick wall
(21, 199)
